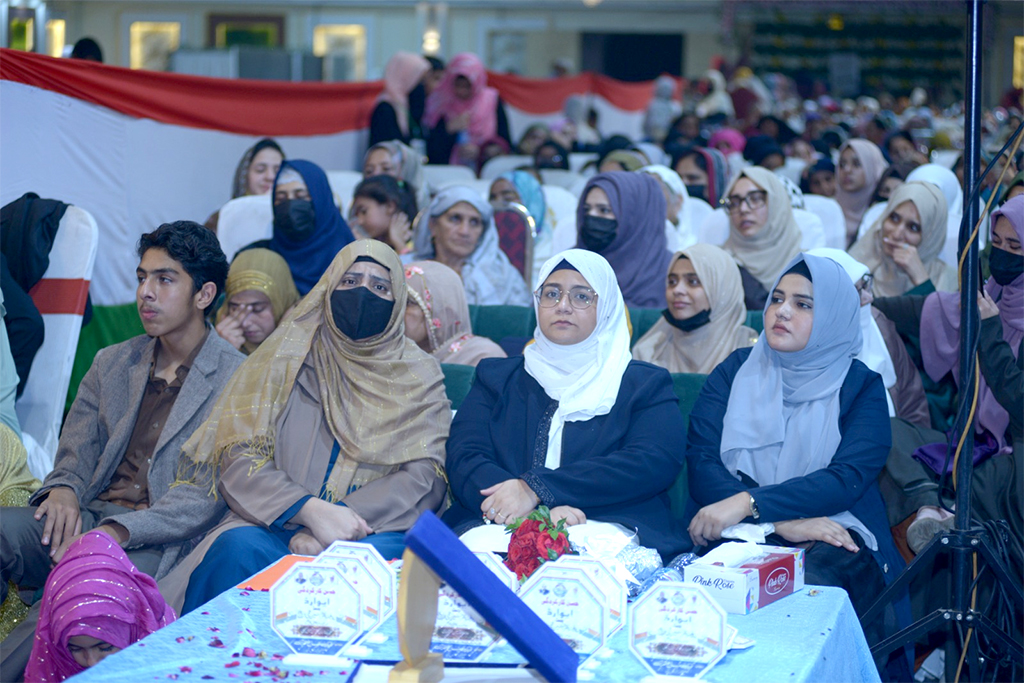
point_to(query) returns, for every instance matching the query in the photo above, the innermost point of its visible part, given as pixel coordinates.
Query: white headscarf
(874, 353)
(946, 181)
(489, 277)
(684, 234)
(584, 377)
(782, 419)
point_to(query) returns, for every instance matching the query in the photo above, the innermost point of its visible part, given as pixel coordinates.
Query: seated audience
(118, 451)
(463, 113)
(622, 160)
(433, 77)
(902, 247)
(457, 230)
(550, 154)
(661, 111)
(259, 292)
(763, 234)
(534, 136)
(95, 604)
(254, 174)
(819, 178)
(399, 107)
(584, 121)
(621, 216)
(685, 132)
(383, 209)
(704, 171)
(949, 186)
(883, 350)
(333, 430)
(437, 316)
(704, 321)
(861, 165)
(308, 228)
(918, 455)
(794, 432)
(574, 424)
(401, 162)
(521, 187)
(683, 214)
(764, 151)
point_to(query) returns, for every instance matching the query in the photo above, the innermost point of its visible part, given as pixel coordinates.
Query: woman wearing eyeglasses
(574, 424)
(763, 234)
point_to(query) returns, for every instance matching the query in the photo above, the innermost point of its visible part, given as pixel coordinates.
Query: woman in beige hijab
(902, 248)
(259, 291)
(704, 320)
(763, 234)
(333, 429)
(437, 316)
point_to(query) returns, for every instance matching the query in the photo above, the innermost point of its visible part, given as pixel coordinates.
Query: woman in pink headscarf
(400, 107)
(861, 165)
(463, 113)
(95, 603)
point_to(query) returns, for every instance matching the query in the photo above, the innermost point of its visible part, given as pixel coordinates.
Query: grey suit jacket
(100, 424)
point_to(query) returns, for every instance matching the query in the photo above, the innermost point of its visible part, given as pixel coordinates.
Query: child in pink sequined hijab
(96, 603)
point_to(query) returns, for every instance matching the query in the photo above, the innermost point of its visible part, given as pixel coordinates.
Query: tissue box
(757, 582)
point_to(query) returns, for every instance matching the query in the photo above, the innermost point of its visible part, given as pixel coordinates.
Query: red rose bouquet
(535, 540)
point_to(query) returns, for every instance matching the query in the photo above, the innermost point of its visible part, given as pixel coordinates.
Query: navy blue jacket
(616, 467)
(848, 483)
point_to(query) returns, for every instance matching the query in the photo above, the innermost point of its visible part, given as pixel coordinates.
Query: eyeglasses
(864, 284)
(755, 200)
(580, 297)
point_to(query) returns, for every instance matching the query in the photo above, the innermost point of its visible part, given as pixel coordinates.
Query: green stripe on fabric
(109, 325)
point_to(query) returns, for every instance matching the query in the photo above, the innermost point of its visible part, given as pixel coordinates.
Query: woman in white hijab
(944, 179)
(457, 230)
(684, 214)
(883, 350)
(574, 424)
(794, 432)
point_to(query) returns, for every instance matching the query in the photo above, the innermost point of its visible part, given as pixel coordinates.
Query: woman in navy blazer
(575, 424)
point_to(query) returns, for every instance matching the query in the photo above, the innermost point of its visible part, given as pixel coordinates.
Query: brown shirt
(129, 486)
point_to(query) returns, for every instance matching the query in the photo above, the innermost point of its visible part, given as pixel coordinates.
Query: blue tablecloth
(811, 636)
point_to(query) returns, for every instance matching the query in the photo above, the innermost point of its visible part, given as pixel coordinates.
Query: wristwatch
(754, 512)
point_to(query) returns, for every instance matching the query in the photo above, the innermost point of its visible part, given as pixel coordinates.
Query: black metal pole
(969, 285)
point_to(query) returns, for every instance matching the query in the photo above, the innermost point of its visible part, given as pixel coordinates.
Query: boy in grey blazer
(120, 445)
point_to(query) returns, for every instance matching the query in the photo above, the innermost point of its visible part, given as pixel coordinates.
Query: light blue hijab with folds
(531, 195)
(782, 420)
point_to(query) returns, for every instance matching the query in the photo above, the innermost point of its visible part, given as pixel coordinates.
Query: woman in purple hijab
(621, 216)
(96, 603)
(999, 432)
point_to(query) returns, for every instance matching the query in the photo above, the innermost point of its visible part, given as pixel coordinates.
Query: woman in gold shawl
(437, 317)
(259, 291)
(333, 429)
(902, 248)
(763, 234)
(704, 320)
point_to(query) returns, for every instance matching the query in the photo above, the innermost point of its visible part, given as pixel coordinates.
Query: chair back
(343, 185)
(561, 203)
(832, 220)
(458, 380)
(438, 175)
(516, 233)
(244, 220)
(495, 166)
(561, 177)
(60, 297)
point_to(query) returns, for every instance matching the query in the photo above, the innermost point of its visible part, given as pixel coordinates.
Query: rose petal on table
(216, 642)
(186, 669)
(248, 652)
(231, 665)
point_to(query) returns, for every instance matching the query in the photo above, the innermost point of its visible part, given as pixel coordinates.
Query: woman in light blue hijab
(794, 432)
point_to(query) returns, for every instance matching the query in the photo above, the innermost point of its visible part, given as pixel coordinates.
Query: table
(811, 636)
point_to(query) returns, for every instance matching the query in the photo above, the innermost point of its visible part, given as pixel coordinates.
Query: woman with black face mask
(910, 481)
(621, 216)
(334, 429)
(308, 228)
(704, 321)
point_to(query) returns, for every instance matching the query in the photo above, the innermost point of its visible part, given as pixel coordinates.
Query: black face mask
(359, 313)
(597, 233)
(295, 219)
(690, 324)
(1004, 266)
(697, 191)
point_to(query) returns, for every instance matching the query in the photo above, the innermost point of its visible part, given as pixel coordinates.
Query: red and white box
(751, 582)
